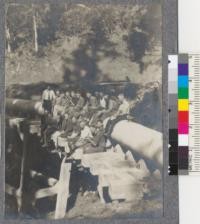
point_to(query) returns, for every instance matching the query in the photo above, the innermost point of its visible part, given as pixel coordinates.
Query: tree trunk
(8, 40)
(35, 32)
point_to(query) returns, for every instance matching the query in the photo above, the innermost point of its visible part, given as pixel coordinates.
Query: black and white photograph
(83, 118)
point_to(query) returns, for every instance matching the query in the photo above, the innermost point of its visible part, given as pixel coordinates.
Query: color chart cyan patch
(184, 114)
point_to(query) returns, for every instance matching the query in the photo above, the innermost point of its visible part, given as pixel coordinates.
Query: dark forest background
(66, 43)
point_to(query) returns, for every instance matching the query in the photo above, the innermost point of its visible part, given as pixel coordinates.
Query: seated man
(65, 122)
(69, 126)
(60, 137)
(97, 95)
(91, 104)
(58, 107)
(73, 98)
(85, 134)
(124, 107)
(103, 113)
(69, 110)
(57, 97)
(92, 138)
(102, 100)
(68, 133)
(123, 113)
(99, 141)
(67, 100)
(80, 102)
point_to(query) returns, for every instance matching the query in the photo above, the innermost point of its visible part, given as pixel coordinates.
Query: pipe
(21, 105)
(142, 140)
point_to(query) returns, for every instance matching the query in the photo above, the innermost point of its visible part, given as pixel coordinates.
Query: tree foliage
(67, 20)
(99, 29)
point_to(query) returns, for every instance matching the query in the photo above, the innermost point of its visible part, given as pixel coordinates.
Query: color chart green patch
(183, 93)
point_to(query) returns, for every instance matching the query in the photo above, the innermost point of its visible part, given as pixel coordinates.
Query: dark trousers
(111, 123)
(47, 105)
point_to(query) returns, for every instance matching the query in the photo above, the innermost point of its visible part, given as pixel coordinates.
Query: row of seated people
(83, 120)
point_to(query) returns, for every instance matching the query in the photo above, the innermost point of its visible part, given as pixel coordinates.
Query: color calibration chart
(184, 114)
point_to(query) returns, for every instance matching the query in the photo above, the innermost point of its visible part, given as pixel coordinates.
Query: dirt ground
(88, 205)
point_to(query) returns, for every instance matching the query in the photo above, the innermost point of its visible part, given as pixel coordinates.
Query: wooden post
(7, 31)
(63, 190)
(19, 192)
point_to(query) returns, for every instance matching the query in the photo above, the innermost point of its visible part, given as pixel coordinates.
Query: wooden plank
(143, 168)
(118, 149)
(107, 158)
(119, 172)
(129, 192)
(63, 190)
(46, 192)
(129, 157)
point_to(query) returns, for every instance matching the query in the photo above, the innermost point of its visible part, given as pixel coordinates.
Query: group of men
(84, 119)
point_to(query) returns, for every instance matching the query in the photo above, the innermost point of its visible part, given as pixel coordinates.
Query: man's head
(88, 94)
(78, 95)
(57, 93)
(48, 87)
(121, 97)
(66, 116)
(82, 124)
(73, 94)
(67, 93)
(106, 96)
(101, 94)
(62, 94)
(99, 124)
(96, 93)
(74, 119)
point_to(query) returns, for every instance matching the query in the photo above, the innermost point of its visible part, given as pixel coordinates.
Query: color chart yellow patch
(183, 104)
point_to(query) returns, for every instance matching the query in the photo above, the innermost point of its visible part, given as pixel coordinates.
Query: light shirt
(124, 108)
(103, 102)
(58, 100)
(86, 133)
(112, 105)
(48, 95)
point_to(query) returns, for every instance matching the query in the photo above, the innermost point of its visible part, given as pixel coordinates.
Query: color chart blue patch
(182, 81)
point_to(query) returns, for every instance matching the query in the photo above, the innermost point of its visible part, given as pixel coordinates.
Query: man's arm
(110, 106)
(119, 111)
(53, 96)
(43, 95)
(82, 102)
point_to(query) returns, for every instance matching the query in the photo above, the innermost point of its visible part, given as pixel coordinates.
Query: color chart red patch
(183, 117)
